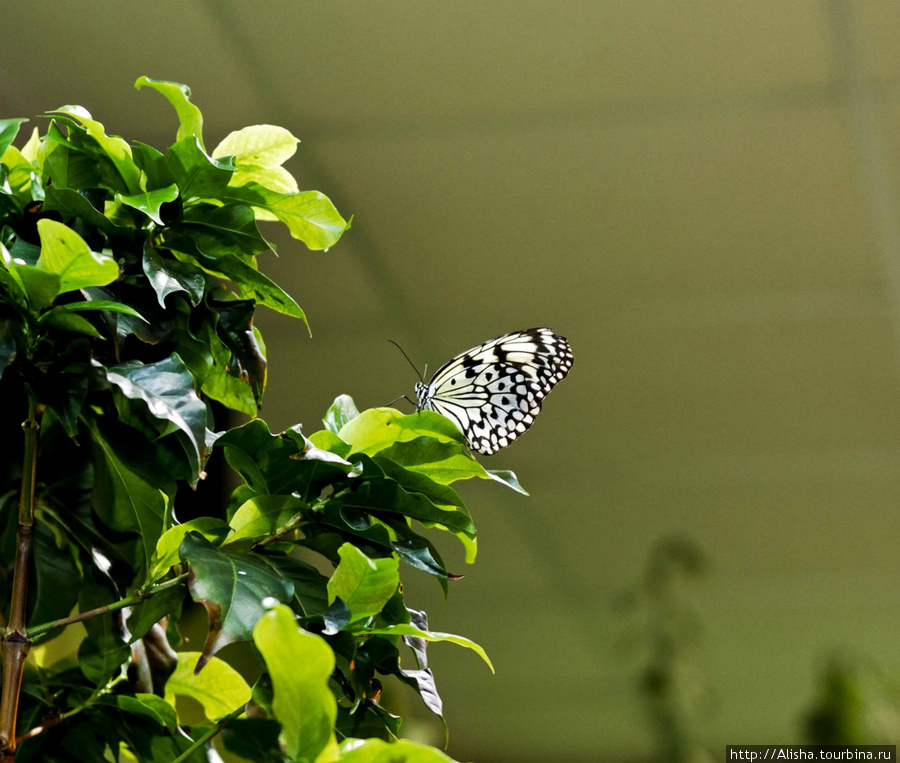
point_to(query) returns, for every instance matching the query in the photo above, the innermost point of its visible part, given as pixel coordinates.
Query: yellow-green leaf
(218, 687)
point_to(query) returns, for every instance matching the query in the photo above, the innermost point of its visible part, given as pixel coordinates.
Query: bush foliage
(128, 285)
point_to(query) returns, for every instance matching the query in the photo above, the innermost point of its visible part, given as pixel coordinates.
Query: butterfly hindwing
(493, 392)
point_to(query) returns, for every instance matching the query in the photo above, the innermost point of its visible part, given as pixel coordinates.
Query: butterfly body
(493, 392)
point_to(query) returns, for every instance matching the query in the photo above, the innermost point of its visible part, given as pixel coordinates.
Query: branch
(136, 598)
(210, 733)
(15, 641)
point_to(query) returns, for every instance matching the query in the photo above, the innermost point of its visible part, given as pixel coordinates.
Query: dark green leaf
(57, 573)
(104, 651)
(235, 329)
(60, 318)
(369, 720)
(167, 389)
(310, 585)
(74, 204)
(102, 304)
(153, 609)
(153, 164)
(126, 501)
(232, 587)
(220, 230)
(255, 739)
(168, 276)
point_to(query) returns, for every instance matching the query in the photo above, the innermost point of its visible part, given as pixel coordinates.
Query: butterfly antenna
(421, 379)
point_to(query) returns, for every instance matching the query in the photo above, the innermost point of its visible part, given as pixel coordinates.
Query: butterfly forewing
(493, 392)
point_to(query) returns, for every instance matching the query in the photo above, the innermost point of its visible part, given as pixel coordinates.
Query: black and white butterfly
(493, 392)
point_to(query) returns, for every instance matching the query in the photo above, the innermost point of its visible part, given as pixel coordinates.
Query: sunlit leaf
(149, 202)
(262, 515)
(300, 665)
(66, 255)
(364, 584)
(405, 629)
(189, 116)
(258, 145)
(219, 688)
(341, 411)
(379, 751)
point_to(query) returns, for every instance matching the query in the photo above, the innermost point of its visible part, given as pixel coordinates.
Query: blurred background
(705, 199)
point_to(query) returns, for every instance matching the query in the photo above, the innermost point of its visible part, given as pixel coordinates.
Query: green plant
(128, 285)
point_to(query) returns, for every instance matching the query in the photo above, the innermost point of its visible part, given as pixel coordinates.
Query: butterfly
(493, 392)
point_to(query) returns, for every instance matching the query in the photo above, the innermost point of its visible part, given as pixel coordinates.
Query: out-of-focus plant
(662, 636)
(128, 285)
(857, 704)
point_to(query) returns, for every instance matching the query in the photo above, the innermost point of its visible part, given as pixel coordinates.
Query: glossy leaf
(364, 584)
(342, 411)
(189, 116)
(300, 665)
(60, 318)
(167, 389)
(149, 202)
(197, 176)
(168, 276)
(219, 688)
(232, 588)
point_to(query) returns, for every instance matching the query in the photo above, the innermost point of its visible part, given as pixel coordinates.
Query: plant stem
(296, 522)
(210, 733)
(128, 601)
(15, 642)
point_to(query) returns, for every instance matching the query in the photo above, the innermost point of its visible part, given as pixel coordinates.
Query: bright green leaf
(364, 584)
(261, 515)
(379, 751)
(102, 304)
(189, 116)
(219, 688)
(66, 254)
(30, 149)
(258, 145)
(341, 411)
(300, 665)
(376, 429)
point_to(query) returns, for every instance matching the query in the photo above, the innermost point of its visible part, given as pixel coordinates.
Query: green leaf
(125, 501)
(148, 706)
(151, 610)
(57, 573)
(103, 653)
(168, 276)
(508, 478)
(262, 515)
(232, 588)
(167, 554)
(407, 629)
(257, 286)
(102, 304)
(67, 168)
(113, 146)
(149, 202)
(377, 429)
(197, 176)
(379, 751)
(385, 495)
(309, 215)
(259, 145)
(364, 584)
(300, 665)
(39, 287)
(66, 255)
(255, 739)
(342, 411)
(219, 688)
(219, 230)
(75, 204)
(167, 389)
(60, 318)
(189, 116)
(9, 128)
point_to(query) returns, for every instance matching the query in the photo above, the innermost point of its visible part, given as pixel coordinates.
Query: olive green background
(702, 196)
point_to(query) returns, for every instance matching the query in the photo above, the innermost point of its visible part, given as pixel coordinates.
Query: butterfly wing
(493, 392)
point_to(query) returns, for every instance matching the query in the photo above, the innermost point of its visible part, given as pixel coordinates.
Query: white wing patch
(493, 392)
